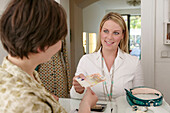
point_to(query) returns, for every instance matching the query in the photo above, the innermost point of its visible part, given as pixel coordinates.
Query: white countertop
(120, 105)
(71, 105)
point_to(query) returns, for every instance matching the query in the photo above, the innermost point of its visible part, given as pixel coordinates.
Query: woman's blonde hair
(119, 20)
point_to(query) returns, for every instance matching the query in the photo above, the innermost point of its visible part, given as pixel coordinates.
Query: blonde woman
(111, 59)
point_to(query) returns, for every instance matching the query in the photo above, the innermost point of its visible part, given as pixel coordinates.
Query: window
(89, 42)
(134, 26)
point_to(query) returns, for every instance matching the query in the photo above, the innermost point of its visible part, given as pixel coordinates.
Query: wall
(148, 41)
(3, 53)
(3, 4)
(92, 15)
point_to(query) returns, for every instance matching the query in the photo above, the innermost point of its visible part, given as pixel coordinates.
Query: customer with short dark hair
(31, 32)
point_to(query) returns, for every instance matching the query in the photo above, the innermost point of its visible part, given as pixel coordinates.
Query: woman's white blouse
(126, 72)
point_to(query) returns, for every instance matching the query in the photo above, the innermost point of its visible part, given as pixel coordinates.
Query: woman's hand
(88, 101)
(79, 89)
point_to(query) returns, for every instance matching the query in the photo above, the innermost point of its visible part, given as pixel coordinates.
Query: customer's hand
(79, 89)
(56, 98)
(88, 101)
(90, 97)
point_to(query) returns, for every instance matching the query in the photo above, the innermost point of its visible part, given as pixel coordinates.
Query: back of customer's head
(27, 25)
(117, 18)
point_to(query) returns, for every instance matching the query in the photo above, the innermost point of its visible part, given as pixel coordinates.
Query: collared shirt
(20, 93)
(127, 73)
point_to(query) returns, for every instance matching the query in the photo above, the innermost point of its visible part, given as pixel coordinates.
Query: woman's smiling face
(111, 34)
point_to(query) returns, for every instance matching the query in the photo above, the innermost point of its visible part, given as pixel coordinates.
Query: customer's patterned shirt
(20, 93)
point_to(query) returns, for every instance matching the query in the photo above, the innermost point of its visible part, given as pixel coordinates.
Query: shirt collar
(13, 69)
(120, 54)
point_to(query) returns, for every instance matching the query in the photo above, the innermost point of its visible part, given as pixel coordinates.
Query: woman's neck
(109, 53)
(25, 64)
(109, 57)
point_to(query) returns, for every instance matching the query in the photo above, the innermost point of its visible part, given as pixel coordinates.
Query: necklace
(105, 84)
